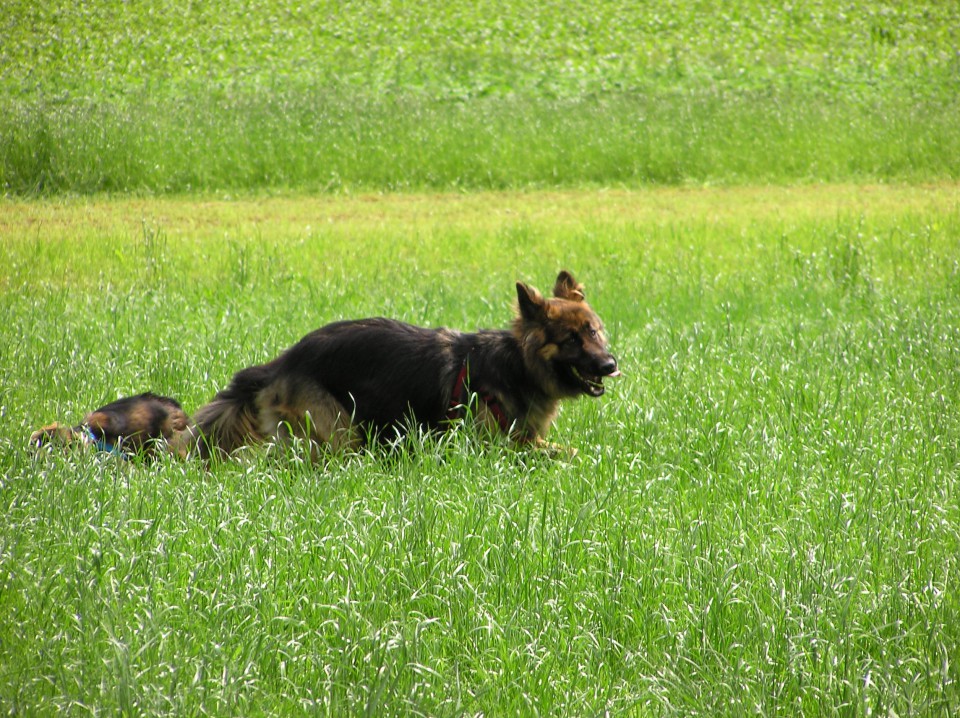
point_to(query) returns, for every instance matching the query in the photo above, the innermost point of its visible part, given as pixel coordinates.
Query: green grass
(762, 517)
(120, 97)
(323, 140)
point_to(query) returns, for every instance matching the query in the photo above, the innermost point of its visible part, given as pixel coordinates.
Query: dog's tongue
(615, 372)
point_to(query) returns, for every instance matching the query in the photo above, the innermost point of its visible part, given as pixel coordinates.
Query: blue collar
(101, 444)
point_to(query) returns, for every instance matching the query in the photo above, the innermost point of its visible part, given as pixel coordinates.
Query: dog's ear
(530, 302)
(567, 287)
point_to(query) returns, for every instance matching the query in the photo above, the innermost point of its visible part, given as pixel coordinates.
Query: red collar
(460, 399)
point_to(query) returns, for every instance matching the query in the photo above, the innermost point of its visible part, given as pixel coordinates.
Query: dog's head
(56, 434)
(562, 339)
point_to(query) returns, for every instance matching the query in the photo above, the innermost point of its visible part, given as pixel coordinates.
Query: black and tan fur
(137, 425)
(374, 377)
(353, 379)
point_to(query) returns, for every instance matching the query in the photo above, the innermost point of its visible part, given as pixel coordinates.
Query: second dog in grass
(142, 425)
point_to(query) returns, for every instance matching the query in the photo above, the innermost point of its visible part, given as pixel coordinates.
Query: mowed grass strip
(762, 516)
(116, 241)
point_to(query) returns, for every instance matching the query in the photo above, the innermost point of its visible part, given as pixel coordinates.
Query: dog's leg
(310, 413)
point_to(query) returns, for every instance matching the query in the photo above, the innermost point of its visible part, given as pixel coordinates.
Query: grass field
(318, 96)
(762, 518)
(762, 202)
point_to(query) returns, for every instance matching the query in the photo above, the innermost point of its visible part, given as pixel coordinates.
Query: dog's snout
(608, 366)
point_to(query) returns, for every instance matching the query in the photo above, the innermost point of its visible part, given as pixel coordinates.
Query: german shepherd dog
(375, 377)
(144, 425)
(350, 380)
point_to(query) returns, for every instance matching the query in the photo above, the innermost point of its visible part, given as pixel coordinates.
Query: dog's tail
(232, 418)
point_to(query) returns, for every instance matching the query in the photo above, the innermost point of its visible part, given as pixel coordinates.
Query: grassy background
(151, 98)
(762, 517)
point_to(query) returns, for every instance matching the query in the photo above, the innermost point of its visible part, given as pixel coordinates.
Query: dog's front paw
(555, 451)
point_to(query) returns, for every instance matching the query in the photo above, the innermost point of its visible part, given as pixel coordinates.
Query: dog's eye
(592, 332)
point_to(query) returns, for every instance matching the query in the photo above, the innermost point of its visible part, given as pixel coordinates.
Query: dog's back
(364, 375)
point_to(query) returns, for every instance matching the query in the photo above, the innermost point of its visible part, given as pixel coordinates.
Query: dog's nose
(608, 367)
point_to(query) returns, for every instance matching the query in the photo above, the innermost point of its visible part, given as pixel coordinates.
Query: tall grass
(372, 96)
(321, 140)
(761, 518)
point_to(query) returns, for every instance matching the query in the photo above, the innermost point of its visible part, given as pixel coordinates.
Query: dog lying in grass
(143, 425)
(351, 380)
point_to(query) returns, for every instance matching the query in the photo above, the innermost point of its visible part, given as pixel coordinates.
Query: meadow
(762, 516)
(762, 201)
(153, 98)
